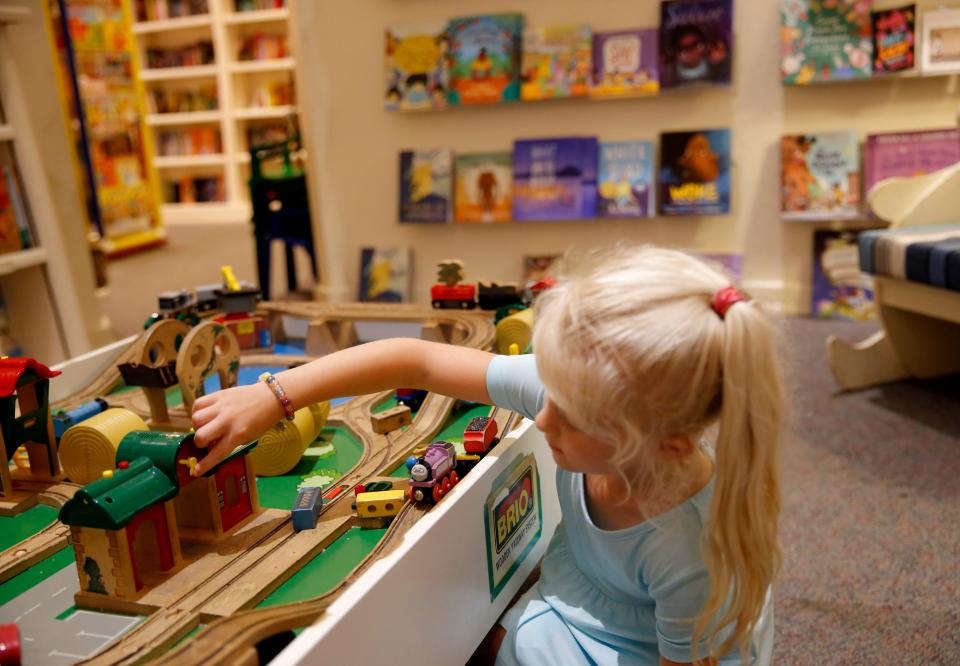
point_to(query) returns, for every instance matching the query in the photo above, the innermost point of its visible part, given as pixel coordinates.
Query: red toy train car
(480, 435)
(461, 296)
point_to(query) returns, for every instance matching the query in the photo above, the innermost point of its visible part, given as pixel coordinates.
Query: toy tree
(450, 272)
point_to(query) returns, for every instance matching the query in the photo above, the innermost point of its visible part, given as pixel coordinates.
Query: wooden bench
(921, 323)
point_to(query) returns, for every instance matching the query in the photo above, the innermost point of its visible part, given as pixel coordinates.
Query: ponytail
(742, 553)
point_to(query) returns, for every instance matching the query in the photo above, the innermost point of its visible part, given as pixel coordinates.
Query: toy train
(480, 435)
(434, 474)
(461, 296)
(409, 397)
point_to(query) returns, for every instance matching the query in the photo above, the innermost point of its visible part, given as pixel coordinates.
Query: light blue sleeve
(679, 584)
(513, 383)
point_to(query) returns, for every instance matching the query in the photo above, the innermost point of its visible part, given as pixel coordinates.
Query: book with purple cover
(625, 63)
(900, 154)
(696, 42)
(555, 179)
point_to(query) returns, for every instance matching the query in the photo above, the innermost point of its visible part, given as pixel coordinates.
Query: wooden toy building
(126, 528)
(26, 382)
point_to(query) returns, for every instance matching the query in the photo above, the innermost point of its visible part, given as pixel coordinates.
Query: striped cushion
(919, 254)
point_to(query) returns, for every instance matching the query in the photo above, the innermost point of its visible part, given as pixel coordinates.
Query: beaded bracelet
(280, 393)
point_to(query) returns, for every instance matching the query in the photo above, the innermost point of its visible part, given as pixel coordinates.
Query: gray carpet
(871, 521)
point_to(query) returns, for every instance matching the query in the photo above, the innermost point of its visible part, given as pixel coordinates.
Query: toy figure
(489, 190)
(482, 67)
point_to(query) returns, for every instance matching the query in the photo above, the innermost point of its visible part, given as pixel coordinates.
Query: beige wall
(354, 143)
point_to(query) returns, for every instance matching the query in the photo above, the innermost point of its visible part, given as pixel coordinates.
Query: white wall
(354, 143)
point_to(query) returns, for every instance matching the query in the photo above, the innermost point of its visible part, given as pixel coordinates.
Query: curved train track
(232, 637)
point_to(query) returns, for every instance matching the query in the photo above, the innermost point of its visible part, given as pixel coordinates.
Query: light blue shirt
(607, 596)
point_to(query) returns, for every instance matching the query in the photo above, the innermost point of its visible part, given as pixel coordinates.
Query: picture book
(626, 63)
(555, 179)
(485, 58)
(695, 172)
(840, 289)
(425, 185)
(902, 154)
(696, 42)
(9, 230)
(893, 39)
(385, 275)
(625, 179)
(483, 182)
(731, 263)
(556, 62)
(825, 40)
(416, 68)
(540, 266)
(941, 40)
(820, 176)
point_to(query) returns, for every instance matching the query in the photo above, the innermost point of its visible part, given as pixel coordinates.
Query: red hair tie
(725, 298)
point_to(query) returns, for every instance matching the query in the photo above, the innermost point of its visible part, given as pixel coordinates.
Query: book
(556, 62)
(696, 42)
(900, 154)
(820, 176)
(555, 179)
(537, 267)
(695, 172)
(416, 68)
(485, 58)
(893, 39)
(941, 40)
(385, 275)
(840, 289)
(9, 230)
(825, 40)
(425, 185)
(625, 179)
(626, 63)
(483, 187)
(15, 205)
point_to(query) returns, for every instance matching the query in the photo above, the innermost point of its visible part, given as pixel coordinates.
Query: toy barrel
(320, 411)
(515, 329)
(280, 448)
(89, 448)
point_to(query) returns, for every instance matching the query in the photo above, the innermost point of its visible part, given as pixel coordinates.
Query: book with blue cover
(695, 172)
(426, 185)
(625, 185)
(385, 275)
(555, 179)
(485, 58)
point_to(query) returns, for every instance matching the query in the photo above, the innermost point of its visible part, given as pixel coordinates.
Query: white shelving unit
(48, 290)
(244, 92)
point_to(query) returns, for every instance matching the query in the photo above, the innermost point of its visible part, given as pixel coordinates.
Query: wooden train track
(253, 573)
(47, 541)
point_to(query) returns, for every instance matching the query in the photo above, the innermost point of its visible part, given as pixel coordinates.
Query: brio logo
(512, 510)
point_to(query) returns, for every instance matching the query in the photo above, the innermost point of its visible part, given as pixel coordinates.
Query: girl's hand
(231, 417)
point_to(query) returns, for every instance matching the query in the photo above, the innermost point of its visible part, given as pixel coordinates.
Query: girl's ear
(676, 447)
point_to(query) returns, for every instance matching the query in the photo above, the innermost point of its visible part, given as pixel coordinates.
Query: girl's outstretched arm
(228, 418)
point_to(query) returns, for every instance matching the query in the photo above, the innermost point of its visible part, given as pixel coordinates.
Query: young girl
(667, 549)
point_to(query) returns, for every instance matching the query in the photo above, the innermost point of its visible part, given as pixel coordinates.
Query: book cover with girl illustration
(626, 63)
(555, 179)
(820, 176)
(556, 62)
(485, 58)
(416, 68)
(840, 289)
(695, 172)
(894, 39)
(902, 154)
(483, 182)
(425, 185)
(625, 179)
(825, 40)
(696, 42)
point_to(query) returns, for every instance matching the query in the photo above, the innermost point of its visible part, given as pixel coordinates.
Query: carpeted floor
(871, 519)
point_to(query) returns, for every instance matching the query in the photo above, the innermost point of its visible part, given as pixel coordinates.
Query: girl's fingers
(202, 402)
(209, 433)
(202, 417)
(219, 451)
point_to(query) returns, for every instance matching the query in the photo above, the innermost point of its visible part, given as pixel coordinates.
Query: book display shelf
(43, 310)
(218, 78)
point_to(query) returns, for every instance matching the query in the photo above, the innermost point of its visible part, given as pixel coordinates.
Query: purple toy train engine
(434, 474)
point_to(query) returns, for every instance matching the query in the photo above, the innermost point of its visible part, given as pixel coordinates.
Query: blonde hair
(631, 351)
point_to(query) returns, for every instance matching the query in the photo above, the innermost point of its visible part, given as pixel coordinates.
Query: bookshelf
(47, 288)
(251, 78)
